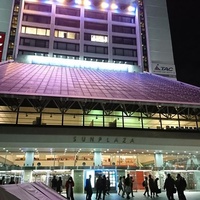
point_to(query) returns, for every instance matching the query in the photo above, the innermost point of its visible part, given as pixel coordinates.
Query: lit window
(71, 35)
(99, 38)
(30, 30)
(35, 31)
(41, 31)
(63, 34)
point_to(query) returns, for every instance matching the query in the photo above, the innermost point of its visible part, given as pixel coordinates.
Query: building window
(24, 52)
(67, 11)
(66, 56)
(67, 34)
(96, 15)
(67, 22)
(34, 42)
(66, 46)
(95, 49)
(35, 31)
(123, 18)
(123, 29)
(37, 19)
(95, 38)
(125, 52)
(37, 7)
(96, 59)
(96, 26)
(124, 40)
(125, 62)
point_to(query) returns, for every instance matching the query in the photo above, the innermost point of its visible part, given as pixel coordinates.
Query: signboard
(2, 39)
(164, 69)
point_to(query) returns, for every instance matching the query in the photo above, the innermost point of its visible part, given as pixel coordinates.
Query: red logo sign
(2, 38)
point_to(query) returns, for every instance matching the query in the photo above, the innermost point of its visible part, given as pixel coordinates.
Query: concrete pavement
(190, 195)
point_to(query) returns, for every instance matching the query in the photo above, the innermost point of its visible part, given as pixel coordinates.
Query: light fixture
(131, 9)
(104, 5)
(114, 6)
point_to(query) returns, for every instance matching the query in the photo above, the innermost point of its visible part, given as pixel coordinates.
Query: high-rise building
(126, 32)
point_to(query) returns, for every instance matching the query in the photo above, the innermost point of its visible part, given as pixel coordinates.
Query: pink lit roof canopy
(54, 81)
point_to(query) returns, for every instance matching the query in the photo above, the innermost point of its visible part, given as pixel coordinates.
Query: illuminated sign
(2, 39)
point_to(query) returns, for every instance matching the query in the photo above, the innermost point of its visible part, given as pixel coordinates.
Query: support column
(29, 158)
(158, 159)
(28, 176)
(97, 158)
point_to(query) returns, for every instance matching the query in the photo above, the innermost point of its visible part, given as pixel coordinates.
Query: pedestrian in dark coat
(54, 183)
(156, 187)
(70, 188)
(181, 186)
(88, 188)
(151, 186)
(169, 185)
(59, 185)
(98, 187)
(146, 186)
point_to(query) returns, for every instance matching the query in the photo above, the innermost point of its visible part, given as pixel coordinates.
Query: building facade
(126, 32)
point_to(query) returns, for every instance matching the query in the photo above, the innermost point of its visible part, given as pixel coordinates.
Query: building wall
(159, 38)
(5, 18)
(79, 32)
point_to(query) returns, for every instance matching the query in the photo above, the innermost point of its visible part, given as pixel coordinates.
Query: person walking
(103, 186)
(54, 183)
(123, 185)
(146, 186)
(98, 187)
(169, 186)
(127, 183)
(120, 186)
(108, 185)
(59, 185)
(157, 190)
(132, 195)
(70, 188)
(180, 186)
(2, 181)
(88, 188)
(12, 181)
(151, 186)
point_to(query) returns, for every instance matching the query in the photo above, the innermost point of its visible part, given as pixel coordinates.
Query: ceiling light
(104, 5)
(114, 6)
(87, 3)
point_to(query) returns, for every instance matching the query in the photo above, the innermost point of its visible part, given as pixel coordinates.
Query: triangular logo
(157, 67)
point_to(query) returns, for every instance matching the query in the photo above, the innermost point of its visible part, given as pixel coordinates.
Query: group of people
(170, 185)
(125, 186)
(102, 186)
(57, 185)
(3, 181)
(151, 186)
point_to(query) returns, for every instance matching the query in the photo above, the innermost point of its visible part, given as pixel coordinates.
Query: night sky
(184, 17)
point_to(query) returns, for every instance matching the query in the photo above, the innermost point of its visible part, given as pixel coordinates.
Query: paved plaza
(190, 195)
